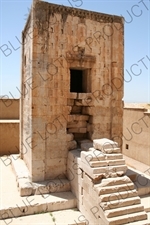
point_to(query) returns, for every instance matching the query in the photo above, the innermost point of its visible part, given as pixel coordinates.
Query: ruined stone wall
(65, 40)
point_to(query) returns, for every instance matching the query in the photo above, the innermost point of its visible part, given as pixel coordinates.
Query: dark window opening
(80, 81)
(76, 81)
(127, 146)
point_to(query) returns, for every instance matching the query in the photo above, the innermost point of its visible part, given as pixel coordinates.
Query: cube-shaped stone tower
(72, 84)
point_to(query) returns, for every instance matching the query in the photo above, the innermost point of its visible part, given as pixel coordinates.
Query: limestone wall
(9, 137)
(9, 108)
(64, 108)
(136, 131)
(9, 126)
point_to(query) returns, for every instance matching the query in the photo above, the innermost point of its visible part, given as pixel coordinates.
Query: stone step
(114, 189)
(142, 222)
(114, 181)
(69, 217)
(95, 155)
(107, 163)
(104, 169)
(124, 210)
(117, 196)
(119, 220)
(39, 204)
(120, 203)
(27, 188)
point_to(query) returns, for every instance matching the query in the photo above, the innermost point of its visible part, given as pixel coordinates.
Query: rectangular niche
(80, 80)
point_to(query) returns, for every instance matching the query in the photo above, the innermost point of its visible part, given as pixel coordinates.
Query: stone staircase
(120, 202)
(107, 195)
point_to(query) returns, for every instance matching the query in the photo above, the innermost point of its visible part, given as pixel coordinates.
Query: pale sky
(13, 14)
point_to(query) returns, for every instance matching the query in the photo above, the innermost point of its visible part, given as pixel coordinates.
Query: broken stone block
(71, 145)
(106, 145)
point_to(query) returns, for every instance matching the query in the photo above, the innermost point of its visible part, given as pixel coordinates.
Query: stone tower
(72, 84)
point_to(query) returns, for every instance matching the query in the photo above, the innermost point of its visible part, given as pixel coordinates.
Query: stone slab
(69, 216)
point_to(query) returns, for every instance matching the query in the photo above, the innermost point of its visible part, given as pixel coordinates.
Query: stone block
(72, 95)
(77, 124)
(52, 186)
(77, 117)
(70, 137)
(25, 187)
(104, 143)
(76, 109)
(71, 145)
(84, 141)
(70, 102)
(93, 155)
(66, 201)
(74, 155)
(77, 130)
(86, 146)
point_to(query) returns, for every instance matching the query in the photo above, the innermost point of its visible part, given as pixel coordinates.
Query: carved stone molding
(60, 9)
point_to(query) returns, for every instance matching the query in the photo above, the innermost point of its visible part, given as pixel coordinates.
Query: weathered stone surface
(25, 187)
(114, 181)
(77, 124)
(106, 145)
(92, 156)
(120, 203)
(52, 186)
(114, 189)
(110, 199)
(116, 196)
(57, 103)
(71, 145)
(86, 146)
(70, 137)
(124, 210)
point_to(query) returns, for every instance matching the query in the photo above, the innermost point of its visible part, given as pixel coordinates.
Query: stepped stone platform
(105, 194)
(98, 184)
(12, 205)
(27, 187)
